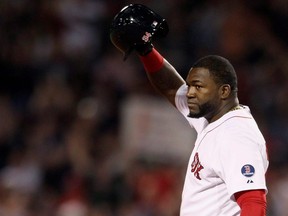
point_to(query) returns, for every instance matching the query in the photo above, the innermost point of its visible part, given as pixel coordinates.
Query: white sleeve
(243, 159)
(181, 104)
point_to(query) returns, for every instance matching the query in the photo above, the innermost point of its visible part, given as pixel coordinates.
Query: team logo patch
(248, 170)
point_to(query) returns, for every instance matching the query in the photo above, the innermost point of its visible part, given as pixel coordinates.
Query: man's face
(203, 94)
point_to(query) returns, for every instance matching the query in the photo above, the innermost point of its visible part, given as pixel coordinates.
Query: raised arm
(133, 29)
(162, 75)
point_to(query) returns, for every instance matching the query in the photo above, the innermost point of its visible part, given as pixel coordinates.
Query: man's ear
(225, 91)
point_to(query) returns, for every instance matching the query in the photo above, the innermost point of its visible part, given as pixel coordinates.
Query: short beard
(205, 110)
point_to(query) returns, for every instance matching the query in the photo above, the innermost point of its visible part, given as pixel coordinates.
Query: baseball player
(226, 170)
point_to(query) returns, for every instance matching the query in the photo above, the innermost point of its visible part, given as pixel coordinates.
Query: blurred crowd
(62, 84)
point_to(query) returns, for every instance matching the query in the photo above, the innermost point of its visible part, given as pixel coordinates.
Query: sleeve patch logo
(248, 170)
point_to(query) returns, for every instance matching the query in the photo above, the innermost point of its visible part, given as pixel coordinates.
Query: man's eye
(198, 87)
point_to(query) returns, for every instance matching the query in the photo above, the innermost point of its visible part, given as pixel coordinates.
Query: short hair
(221, 70)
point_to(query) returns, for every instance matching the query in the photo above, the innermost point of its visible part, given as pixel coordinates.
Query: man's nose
(190, 92)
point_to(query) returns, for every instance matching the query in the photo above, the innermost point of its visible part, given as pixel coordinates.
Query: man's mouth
(192, 104)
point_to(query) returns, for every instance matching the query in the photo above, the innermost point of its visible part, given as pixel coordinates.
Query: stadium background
(79, 128)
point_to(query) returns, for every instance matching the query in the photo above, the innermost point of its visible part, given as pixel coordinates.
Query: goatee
(204, 110)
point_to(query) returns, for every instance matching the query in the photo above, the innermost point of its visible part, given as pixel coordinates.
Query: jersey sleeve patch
(248, 170)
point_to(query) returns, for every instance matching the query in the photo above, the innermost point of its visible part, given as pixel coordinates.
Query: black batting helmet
(135, 25)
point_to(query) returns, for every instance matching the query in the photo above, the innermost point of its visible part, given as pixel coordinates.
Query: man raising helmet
(226, 171)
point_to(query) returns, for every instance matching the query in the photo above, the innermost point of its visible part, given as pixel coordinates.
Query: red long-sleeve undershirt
(252, 202)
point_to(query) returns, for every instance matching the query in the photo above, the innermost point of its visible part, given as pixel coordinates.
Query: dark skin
(205, 97)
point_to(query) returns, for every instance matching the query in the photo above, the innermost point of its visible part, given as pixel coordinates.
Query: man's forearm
(162, 74)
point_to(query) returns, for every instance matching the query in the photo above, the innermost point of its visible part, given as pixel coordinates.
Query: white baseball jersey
(229, 156)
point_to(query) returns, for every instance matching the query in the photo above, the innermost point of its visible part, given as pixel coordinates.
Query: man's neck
(229, 106)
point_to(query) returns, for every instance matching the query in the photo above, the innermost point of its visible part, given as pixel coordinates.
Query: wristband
(153, 61)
